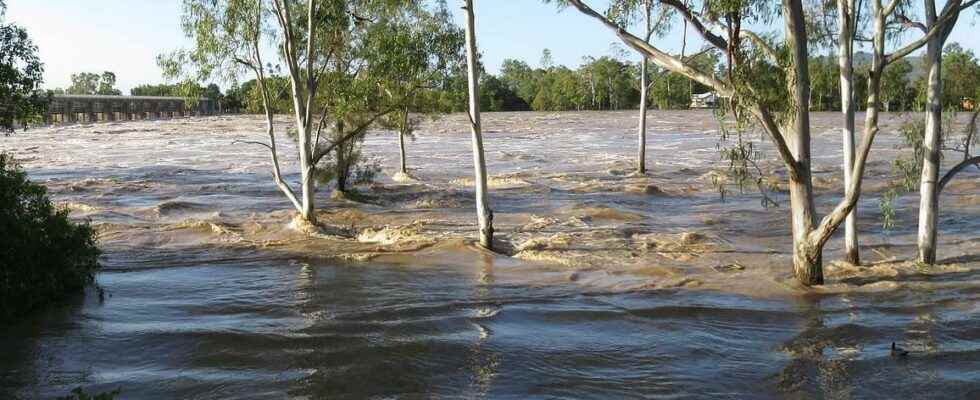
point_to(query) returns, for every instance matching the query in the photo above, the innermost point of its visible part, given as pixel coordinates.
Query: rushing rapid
(611, 284)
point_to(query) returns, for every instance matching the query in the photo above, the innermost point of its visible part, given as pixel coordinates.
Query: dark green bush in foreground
(43, 255)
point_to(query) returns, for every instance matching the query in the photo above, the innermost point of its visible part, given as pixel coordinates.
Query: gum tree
(229, 40)
(624, 13)
(337, 67)
(483, 212)
(424, 51)
(930, 185)
(847, 22)
(754, 63)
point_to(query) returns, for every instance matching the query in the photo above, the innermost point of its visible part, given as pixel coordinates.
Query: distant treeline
(611, 83)
(903, 84)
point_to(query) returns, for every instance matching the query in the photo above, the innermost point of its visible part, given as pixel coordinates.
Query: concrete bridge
(66, 109)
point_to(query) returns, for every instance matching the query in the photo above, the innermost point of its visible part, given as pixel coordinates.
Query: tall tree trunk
(341, 169)
(928, 192)
(484, 215)
(401, 143)
(641, 155)
(303, 96)
(846, 20)
(641, 151)
(306, 177)
(807, 263)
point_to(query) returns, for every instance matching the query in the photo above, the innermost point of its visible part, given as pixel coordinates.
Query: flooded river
(612, 285)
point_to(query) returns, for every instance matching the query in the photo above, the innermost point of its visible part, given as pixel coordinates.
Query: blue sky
(125, 36)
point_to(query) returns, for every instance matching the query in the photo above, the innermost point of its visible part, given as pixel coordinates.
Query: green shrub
(44, 256)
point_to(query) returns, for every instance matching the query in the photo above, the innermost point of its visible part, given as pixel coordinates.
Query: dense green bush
(43, 255)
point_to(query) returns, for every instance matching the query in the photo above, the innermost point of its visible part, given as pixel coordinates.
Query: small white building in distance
(704, 100)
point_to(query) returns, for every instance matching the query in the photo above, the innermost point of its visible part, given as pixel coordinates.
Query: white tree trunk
(484, 215)
(641, 156)
(258, 67)
(303, 96)
(641, 151)
(845, 59)
(401, 144)
(807, 263)
(306, 177)
(928, 192)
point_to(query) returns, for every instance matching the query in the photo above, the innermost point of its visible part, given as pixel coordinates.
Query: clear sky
(125, 36)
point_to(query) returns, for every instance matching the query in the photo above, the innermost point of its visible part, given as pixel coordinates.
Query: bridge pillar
(90, 111)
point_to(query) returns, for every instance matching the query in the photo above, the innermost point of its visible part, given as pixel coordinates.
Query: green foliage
(21, 75)
(247, 97)
(93, 83)
(348, 167)
(824, 84)
(44, 256)
(887, 208)
(154, 90)
(397, 59)
(741, 158)
(604, 83)
(495, 95)
(897, 91)
(960, 76)
(188, 89)
(908, 169)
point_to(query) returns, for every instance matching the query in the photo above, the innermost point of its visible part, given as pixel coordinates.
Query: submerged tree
(848, 19)
(941, 24)
(228, 41)
(422, 51)
(624, 12)
(483, 212)
(342, 72)
(782, 111)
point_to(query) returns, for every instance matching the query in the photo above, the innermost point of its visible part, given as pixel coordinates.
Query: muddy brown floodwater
(613, 285)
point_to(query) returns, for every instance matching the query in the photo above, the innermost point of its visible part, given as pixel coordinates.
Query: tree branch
(656, 55)
(266, 145)
(950, 12)
(758, 40)
(715, 40)
(956, 169)
(907, 23)
(764, 116)
(829, 224)
(348, 136)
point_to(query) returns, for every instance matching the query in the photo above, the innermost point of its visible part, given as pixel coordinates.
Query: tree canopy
(21, 76)
(93, 83)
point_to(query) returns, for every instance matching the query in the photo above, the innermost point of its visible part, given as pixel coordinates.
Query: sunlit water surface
(188, 320)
